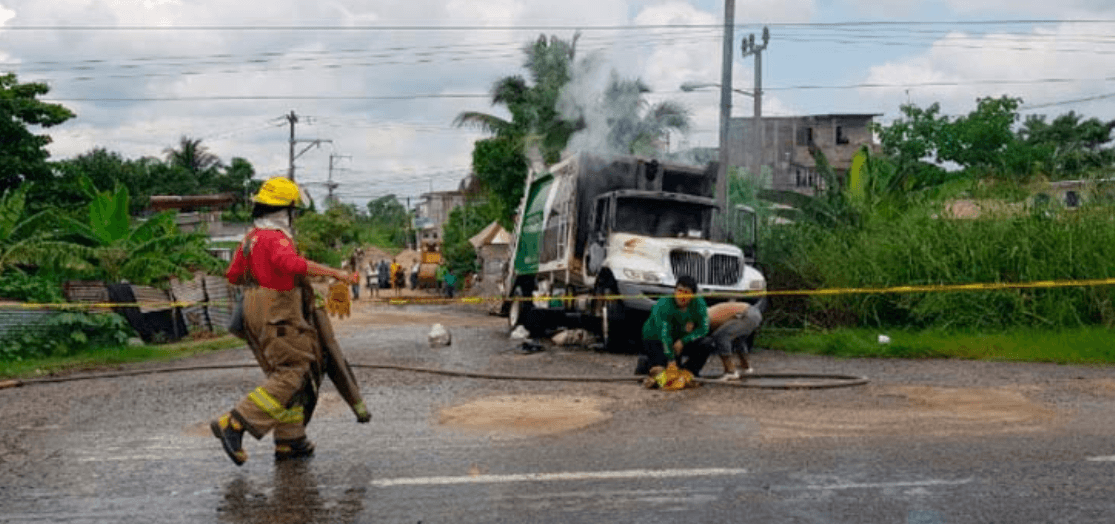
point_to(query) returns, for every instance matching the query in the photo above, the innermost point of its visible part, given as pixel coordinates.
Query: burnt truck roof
(664, 195)
(598, 174)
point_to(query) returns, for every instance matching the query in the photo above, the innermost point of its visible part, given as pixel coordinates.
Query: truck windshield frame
(662, 217)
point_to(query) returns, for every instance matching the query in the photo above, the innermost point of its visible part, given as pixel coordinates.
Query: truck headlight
(757, 285)
(643, 276)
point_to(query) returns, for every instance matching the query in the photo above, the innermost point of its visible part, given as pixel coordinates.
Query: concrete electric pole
(757, 131)
(330, 185)
(725, 113)
(293, 119)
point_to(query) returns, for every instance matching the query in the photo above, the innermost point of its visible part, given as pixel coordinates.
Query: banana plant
(29, 241)
(146, 251)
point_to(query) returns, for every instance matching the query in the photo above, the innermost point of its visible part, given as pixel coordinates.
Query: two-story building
(785, 151)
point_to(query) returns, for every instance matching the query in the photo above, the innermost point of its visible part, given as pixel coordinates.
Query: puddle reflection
(293, 497)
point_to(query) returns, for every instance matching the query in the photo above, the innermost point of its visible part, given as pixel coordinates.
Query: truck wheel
(613, 320)
(519, 309)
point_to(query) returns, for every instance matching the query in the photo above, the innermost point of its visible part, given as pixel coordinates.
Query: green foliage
(320, 235)
(20, 286)
(1085, 345)
(918, 249)
(141, 252)
(189, 171)
(1068, 147)
(29, 241)
(465, 222)
(23, 154)
(502, 168)
(634, 126)
(66, 333)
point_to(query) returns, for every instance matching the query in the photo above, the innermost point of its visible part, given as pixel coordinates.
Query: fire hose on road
(756, 381)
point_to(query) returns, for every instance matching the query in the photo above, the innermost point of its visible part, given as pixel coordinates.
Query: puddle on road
(913, 410)
(525, 415)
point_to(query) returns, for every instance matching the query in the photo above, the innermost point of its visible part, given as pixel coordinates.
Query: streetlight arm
(693, 86)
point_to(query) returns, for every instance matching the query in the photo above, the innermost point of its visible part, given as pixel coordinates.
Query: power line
(238, 98)
(1066, 102)
(544, 27)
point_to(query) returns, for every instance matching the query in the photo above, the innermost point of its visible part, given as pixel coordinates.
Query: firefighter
(283, 329)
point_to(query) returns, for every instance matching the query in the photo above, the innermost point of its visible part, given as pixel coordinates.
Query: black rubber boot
(292, 449)
(230, 432)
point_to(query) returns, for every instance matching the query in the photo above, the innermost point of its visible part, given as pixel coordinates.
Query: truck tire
(518, 310)
(613, 320)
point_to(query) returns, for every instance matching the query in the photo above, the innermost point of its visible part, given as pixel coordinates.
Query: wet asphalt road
(138, 449)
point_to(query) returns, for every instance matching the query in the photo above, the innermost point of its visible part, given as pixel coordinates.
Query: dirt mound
(525, 415)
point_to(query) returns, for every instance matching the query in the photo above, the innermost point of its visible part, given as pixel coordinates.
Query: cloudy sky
(382, 80)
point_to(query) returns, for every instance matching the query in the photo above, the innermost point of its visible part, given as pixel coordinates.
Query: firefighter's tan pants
(286, 347)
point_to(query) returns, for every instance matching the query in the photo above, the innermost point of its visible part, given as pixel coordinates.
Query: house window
(841, 138)
(805, 136)
(1072, 199)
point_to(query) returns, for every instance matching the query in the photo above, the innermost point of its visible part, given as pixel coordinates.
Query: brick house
(787, 139)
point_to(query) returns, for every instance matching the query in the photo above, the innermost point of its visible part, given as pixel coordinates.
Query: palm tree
(634, 125)
(192, 156)
(535, 121)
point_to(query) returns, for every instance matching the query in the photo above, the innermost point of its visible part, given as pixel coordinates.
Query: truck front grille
(716, 270)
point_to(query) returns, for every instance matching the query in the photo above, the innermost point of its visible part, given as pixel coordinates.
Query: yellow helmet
(279, 191)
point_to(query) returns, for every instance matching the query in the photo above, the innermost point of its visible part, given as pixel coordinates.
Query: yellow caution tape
(397, 301)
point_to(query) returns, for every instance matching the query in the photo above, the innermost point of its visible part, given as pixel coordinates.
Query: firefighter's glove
(338, 302)
(362, 415)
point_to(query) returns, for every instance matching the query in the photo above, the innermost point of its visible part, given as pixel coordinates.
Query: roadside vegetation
(88, 218)
(888, 222)
(1090, 345)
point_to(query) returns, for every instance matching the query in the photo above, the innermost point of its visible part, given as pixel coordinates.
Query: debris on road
(439, 336)
(572, 337)
(520, 333)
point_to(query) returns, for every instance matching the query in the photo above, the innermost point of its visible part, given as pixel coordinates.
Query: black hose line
(828, 381)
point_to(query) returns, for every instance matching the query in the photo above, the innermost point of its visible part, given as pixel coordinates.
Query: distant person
(354, 266)
(732, 324)
(450, 283)
(371, 280)
(398, 279)
(383, 271)
(440, 276)
(414, 276)
(675, 331)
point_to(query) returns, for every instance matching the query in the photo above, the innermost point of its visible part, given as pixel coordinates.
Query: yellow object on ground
(338, 303)
(673, 379)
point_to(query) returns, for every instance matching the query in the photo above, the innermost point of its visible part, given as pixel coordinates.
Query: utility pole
(293, 119)
(725, 114)
(330, 185)
(757, 131)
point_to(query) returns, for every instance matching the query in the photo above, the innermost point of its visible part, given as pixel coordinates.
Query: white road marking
(883, 485)
(550, 477)
(1109, 458)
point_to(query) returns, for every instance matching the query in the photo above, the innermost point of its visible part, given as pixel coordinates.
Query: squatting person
(732, 324)
(281, 328)
(676, 329)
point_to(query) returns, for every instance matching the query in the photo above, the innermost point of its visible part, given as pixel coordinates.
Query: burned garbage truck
(599, 239)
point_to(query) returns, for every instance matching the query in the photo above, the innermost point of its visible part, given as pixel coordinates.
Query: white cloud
(1041, 66)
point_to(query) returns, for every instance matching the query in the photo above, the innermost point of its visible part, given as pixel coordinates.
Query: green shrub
(919, 249)
(66, 333)
(17, 285)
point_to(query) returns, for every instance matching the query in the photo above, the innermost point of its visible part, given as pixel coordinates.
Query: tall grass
(919, 248)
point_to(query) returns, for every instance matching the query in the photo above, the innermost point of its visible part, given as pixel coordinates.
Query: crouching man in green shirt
(676, 331)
